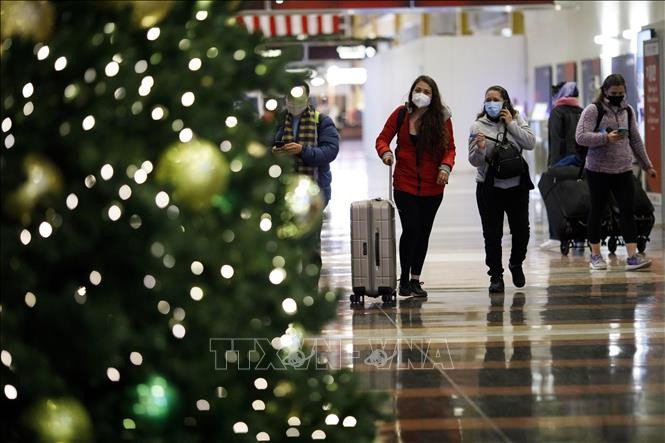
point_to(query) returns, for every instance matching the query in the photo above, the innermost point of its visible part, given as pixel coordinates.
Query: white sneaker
(597, 263)
(551, 245)
(637, 261)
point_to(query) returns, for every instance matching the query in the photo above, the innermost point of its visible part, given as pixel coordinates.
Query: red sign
(566, 72)
(652, 118)
(293, 25)
(448, 4)
(340, 4)
(326, 4)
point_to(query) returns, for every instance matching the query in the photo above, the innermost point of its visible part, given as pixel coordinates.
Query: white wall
(568, 35)
(463, 68)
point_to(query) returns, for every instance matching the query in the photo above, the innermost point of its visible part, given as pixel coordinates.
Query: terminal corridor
(574, 355)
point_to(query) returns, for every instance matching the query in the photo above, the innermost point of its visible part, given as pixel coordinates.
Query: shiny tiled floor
(573, 356)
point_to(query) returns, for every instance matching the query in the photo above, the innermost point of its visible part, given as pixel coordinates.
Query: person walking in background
(496, 196)
(612, 142)
(425, 157)
(561, 126)
(312, 140)
(310, 137)
(563, 150)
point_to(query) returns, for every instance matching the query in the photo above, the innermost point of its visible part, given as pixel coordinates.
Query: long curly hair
(432, 133)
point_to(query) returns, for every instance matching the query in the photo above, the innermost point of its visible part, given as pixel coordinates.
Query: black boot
(404, 287)
(518, 275)
(496, 284)
(417, 289)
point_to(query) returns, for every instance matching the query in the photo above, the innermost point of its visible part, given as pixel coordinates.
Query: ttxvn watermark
(261, 354)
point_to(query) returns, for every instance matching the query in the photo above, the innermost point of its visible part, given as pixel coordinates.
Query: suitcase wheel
(356, 299)
(389, 298)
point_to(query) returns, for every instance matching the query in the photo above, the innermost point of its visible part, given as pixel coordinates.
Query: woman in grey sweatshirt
(498, 196)
(612, 143)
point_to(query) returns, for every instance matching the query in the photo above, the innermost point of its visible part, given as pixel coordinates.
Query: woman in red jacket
(425, 156)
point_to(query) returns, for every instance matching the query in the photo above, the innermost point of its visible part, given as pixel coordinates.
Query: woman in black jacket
(563, 149)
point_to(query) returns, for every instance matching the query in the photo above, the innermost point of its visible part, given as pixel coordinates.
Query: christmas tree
(148, 234)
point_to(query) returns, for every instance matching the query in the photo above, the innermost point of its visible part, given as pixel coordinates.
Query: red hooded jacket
(408, 176)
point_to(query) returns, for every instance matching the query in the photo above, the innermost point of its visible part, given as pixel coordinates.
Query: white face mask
(296, 108)
(420, 99)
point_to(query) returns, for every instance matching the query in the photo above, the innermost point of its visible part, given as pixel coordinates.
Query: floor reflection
(500, 371)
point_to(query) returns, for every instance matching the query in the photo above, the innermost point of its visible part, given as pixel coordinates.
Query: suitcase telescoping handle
(377, 247)
(390, 182)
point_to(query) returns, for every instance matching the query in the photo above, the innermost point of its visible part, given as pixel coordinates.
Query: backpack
(601, 113)
(572, 119)
(506, 160)
(582, 150)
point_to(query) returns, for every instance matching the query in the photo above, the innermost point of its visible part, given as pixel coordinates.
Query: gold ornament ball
(60, 420)
(147, 13)
(42, 178)
(303, 207)
(196, 172)
(29, 19)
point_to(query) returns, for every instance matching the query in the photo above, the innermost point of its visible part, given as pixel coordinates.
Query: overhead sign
(653, 120)
(334, 5)
(590, 80)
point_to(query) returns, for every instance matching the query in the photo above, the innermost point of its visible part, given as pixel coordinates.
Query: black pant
(621, 185)
(492, 203)
(313, 256)
(417, 216)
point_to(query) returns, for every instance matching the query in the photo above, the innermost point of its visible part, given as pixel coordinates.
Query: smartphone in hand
(623, 131)
(279, 144)
(504, 107)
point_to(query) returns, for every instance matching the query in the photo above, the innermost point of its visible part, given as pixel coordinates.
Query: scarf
(567, 101)
(307, 136)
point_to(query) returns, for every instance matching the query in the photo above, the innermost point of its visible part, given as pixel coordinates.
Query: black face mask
(615, 100)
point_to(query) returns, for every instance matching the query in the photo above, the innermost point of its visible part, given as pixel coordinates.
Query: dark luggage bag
(567, 201)
(644, 219)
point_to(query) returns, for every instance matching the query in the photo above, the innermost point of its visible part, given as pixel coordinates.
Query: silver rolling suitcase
(373, 252)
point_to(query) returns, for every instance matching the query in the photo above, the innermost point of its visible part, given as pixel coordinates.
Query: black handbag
(506, 160)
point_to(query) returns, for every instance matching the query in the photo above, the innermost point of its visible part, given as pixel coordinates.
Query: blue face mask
(493, 109)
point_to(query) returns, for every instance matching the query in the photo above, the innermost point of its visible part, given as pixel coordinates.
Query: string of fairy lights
(195, 170)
